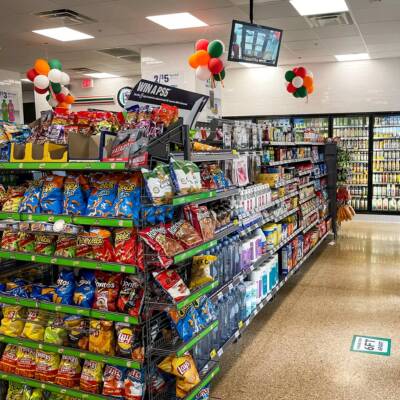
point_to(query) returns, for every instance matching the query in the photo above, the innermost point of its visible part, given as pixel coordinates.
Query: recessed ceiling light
(352, 57)
(63, 34)
(101, 75)
(314, 7)
(177, 21)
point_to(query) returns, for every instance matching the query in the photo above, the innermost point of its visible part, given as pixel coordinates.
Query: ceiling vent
(324, 20)
(122, 53)
(83, 70)
(65, 17)
(134, 59)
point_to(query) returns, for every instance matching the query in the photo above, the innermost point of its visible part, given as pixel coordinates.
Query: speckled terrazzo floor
(298, 347)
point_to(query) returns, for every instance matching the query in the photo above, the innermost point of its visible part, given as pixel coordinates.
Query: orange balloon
(63, 104)
(310, 89)
(69, 99)
(202, 57)
(192, 60)
(308, 82)
(42, 66)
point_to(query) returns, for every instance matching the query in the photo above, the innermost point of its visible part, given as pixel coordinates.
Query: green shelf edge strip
(196, 295)
(197, 339)
(51, 387)
(73, 262)
(92, 166)
(73, 310)
(70, 352)
(208, 378)
(192, 252)
(190, 198)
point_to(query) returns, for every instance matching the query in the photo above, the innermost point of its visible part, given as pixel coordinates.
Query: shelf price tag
(213, 353)
(240, 324)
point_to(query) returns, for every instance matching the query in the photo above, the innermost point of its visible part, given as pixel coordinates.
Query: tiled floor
(298, 347)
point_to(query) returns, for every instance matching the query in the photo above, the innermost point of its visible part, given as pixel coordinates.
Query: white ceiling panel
(272, 9)
(287, 24)
(379, 28)
(339, 31)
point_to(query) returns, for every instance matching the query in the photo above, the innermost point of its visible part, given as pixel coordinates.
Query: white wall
(362, 86)
(10, 87)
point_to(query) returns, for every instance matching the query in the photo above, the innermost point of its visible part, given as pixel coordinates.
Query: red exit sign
(87, 83)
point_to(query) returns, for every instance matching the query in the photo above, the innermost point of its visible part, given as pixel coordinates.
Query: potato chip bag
(184, 232)
(114, 381)
(202, 220)
(185, 321)
(47, 364)
(201, 270)
(125, 241)
(45, 244)
(107, 289)
(78, 331)
(173, 284)
(32, 394)
(8, 359)
(51, 201)
(101, 338)
(74, 195)
(10, 240)
(65, 246)
(12, 323)
(85, 289)
(134, 385)
(185, 176)
(26, 362)
(15, 391)
(102, 196)
(14, 198)
(26, 242)
(65, 287)
(204, 394)
(130, 296)
(127, 202)
(69, 372)
(91, 377)
(36, 321)
(125, 338)
(158, 184)
(55, 332)
(30, 202)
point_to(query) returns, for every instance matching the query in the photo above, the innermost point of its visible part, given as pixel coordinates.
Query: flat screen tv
(257, 44)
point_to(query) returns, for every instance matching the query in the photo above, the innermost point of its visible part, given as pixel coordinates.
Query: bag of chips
(65, 287)
(202, 221)
(173, 284)
(125, 339)
(130, 295)
(56, 332)
(134, 385)
(65, 246)
(185, 321)
(26, 362)
(51, 201)
(36, 321)
(14, 198)
(101, 338)
(9, 240)
(15, 391)
(91, 377)
(185, 176)
(205, 310)
(185, 233)
(127, 203)
(102, 197)
(204, 394)
(45, 244)
(85, 289)
(107, 289)
(32, 394)
(69, 372)
(158, 184)
(30, 203)
(78, 331)
(114, 378)
(12, 323)
(83, 245)
(47, 364)
(74, 195)
(125, 246)
(26, 242)
(8, 359)
(102, 246)
(201, 270)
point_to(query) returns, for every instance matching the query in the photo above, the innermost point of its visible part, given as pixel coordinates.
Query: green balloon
(302, 91)
(289, 75)
(215, 49)
(220, 76)
(56, 87)
(55, 64)
(48, 97)
(295, 94)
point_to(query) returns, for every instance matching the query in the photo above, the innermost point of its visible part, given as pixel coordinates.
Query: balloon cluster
(209, 60)
(301, 82)
(48, 78)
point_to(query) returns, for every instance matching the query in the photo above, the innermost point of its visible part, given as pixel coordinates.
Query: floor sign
(371, 345)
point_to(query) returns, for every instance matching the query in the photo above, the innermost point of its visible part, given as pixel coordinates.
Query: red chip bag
(130, 295)
(173, 284)
(83, 247)
(91, 377)
(185, 233)
(107, 289)
(69, 372)
(202, 221)
(26, 362)
(125, 246)
(114, 381)
(101, 245)
(9, 358)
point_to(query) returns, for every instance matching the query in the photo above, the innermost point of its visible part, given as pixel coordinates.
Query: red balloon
(301, 71)
(31, 74)
(295, 70)
(290, 88)
(60, 97)
(201, 44)
(215, 65)
(41, 91)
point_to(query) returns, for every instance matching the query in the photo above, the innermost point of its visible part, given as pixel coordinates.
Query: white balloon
(203, 73)
(64, 90)
(55, 75)
(53, 102)
(224, 58)
(297, 82)
(64, 78)
(310, 74)
(41, 81)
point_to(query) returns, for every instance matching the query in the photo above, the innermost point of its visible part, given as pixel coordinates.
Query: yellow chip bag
(35, 325)
(56, 332)
(47, 364)
(101, 339)
(201, 271)
(91, 377)
(12, 323)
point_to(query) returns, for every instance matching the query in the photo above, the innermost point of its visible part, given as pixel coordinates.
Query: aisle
(299, 346)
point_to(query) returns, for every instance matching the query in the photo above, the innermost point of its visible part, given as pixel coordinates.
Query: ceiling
(122, 23)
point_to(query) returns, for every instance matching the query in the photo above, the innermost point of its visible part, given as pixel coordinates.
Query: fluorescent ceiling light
(101, 75)
(177, 21)
(63, 34)
(151, 60)
(314, 7)
(352, 57)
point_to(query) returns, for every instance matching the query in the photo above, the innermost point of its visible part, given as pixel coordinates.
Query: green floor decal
(371, 345)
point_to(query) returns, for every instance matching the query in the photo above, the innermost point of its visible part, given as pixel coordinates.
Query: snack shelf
(286, 214)
(51, 387)
(67, 309)
(306, 172)
(293, 161)
(86, 355)
(68, 262)
(307, 228)
(310, 213)
(307, 198)
(205, 197)
(244, 324)
(204, 382)
(284, 183)
(194, 296)
(306, 184)
(207, 156)
(61, 166)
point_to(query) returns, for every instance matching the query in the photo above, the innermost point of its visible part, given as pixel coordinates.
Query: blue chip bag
(148, 215)
(2, 287)
(42, 293)
(127, 203)
(205, 310)
(102, 197)
(85, 289)
(19, 292)
(30, 203)
(186, 322)
(65, 287)
(204, 394)
(74, 196)
(51, 201)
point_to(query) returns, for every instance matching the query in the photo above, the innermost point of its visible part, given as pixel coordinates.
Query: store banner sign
(371, 345)
(190, 104)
